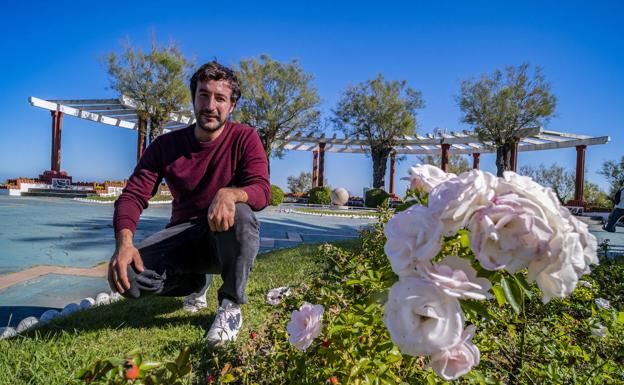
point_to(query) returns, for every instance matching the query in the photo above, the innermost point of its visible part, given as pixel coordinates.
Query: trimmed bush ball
(375, 197)
(340, 196)
(277, 195)
(319, 196)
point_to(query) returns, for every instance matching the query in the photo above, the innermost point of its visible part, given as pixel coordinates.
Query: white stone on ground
(7, 332)
(49, 315)
(86, 303)
(26, 324)
(340, 196)
(102, 299)
(114, 297)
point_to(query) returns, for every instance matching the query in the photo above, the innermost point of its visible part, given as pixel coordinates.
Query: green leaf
(499, 294)
(524, 285)
(476, 307)
(183, 357)
(513, 294)
(621, 317)
(149, 365)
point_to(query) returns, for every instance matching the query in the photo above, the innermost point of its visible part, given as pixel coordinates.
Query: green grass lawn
(52, 354)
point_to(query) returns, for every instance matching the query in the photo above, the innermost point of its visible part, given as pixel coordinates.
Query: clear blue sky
(55, 50)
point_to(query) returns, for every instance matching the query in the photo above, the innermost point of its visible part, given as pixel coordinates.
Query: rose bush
(514, 224)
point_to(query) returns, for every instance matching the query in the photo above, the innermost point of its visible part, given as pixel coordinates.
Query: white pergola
(122, 113)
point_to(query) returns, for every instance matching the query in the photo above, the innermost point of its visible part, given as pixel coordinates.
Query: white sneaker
(226, 324)
(197, 301)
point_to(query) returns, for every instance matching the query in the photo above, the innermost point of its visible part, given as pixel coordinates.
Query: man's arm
(141, 186)
(223, 207)
(252, 182)
(125, 254)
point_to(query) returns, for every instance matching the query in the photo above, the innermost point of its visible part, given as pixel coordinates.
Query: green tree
(301, 183)
(154, 80)
(498, 106)
(278, 100)
(596, 197)
(614, 172)
(560, 180)
(456, 165)
(382, 112)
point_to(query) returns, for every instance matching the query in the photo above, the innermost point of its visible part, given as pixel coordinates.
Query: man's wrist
(124, 238)
(237, 195)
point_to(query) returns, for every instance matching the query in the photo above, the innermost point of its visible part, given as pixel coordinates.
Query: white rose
(509, 232)
(305, 325)
(450, 364)
(588, 243)
(421, 319)
(458, 198)
(425, 177)
(554, 272)
(527, 187)
(413, 236)
(456, 277)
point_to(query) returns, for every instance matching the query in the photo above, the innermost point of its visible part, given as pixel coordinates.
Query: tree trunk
(380, 158)
(503, 158)
(267, 151)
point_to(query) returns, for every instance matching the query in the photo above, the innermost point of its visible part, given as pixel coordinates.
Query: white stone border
(86, 303)
(353, 216)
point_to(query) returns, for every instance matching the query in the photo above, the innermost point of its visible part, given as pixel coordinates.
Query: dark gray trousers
(613, 219)
(177, 259)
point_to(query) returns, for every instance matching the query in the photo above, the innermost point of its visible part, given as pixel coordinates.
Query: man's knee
(244, 217)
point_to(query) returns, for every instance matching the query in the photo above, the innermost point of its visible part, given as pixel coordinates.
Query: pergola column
(57, 125)
(475, 160)
(392, 160)
(142, 130)
(445, 156)
(321, 164)
(315, 155)
(580, 175)
(514, 156)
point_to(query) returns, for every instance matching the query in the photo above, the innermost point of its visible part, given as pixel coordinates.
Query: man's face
(212, 104)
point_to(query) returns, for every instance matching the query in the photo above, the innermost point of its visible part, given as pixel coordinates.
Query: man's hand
(223, 207)
(125, 254)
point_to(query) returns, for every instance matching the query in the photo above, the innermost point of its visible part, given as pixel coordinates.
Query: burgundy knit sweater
(194, 172)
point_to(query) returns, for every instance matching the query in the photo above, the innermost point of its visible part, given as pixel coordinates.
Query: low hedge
(277, 195)
(375, 197)
(320, 196)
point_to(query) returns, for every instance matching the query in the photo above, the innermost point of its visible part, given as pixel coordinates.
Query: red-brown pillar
(321, 163)
(392, 160)
(142, 130)
(514, 156)
(580, 175)
(445, 156)
(475, 160)
(315, 154)
(57, 125)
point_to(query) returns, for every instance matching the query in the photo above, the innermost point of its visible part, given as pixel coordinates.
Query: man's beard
(202, 122)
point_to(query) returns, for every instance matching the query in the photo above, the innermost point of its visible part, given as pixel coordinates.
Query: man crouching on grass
(217, 172)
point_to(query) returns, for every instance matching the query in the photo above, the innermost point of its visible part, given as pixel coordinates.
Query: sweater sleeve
(254, 173)
(142, 185)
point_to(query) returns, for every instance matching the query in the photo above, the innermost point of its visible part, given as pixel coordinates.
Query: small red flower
(326, 343)
(333, 380)
(210, 379)
(253, 335)
(131, 370)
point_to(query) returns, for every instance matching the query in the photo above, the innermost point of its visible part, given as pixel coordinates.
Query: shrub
(375, 197)
(320, 196)
(277, 195)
